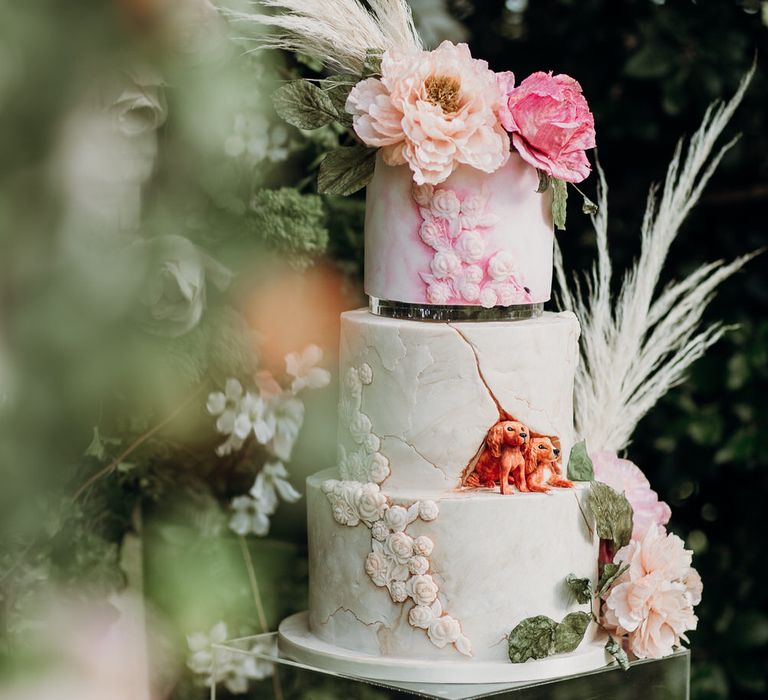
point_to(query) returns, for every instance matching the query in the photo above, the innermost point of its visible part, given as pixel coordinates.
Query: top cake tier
(475, 240)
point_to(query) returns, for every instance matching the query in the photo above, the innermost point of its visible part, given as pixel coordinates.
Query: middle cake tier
(419, 399)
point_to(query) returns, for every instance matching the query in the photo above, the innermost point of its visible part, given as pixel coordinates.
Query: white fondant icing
(439, 387)
(494, 560)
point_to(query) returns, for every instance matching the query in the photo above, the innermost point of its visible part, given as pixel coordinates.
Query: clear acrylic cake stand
(663, 679)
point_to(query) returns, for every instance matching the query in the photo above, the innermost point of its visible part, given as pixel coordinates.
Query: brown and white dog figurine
(505, 444)
(541, 456)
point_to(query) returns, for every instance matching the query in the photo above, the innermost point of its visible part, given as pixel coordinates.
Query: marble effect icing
(496, 560)
(504, 213)
(440, 386)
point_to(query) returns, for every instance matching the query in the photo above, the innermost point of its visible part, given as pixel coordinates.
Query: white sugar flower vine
(272, 415)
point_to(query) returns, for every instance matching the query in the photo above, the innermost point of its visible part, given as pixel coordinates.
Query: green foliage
(570, 632)
(346, 170)
(559, 203)
(290, 223)
(618, 653)
(580, 588)
(539, 637)
(610, 573)
(304, 105)
(612, 513)
(580, 467)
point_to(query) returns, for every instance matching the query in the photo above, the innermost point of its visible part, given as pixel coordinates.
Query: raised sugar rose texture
(550, 123)
(475, 239)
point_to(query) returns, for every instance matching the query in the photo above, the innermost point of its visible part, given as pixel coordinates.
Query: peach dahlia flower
(433, 110)
(653, 601)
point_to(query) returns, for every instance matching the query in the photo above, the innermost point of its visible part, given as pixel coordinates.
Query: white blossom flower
(422, 194)
(365, 372)
(304, 370)
(445, 264)
(252, 512)
(372, 443)
(378, 467)
(502, 265)
(470, 246)
(371, 503)
(288, 414)
(473, 274)
(445, 204)
(488, 297)
(360, 427)
(377, 569)
(224, 405)
(254, 416)
(431, 233)
(418, 565)
(233, 670)
(438, 293)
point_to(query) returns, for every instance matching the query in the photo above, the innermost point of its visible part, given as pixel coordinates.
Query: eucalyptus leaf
(544, 181)
(372, 63)
(616, 651)
(533, 638)
(570, 632)
(304, 105)
(581, 588)
(610, 573)
(559, 203)
(580, 467)
(612, 512)
(338, 87)
(346, 170)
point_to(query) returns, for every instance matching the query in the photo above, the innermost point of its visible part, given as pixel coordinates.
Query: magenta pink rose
(627, 478)
(550, 123)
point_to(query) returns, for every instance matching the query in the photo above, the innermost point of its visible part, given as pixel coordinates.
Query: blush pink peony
(653, 601)
(550, 123)
(627, 478)
(433, 110)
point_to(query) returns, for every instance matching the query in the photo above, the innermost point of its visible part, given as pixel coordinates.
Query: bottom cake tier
(445, 577)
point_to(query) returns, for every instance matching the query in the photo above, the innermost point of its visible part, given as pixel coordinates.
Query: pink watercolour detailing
(462, 268)
(477, 239)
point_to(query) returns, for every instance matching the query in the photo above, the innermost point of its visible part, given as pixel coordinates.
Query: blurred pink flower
(550, 123)
(652, 602)
(433, 110)
(627, 478)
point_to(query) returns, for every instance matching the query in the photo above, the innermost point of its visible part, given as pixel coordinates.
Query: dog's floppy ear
(494, 439)
(529, 452)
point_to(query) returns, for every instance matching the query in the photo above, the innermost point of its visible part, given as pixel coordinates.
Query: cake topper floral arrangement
(432, 110)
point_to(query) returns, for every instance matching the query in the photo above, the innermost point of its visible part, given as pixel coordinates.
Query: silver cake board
(296, 641)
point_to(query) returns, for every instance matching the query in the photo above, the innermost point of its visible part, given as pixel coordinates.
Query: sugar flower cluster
(436, 110)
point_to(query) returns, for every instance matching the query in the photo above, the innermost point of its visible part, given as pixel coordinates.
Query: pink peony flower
(550, 123)
(653, 601)
(433, 110)
(627, 478)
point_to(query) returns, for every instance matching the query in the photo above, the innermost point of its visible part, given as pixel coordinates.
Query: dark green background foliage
(80, 357)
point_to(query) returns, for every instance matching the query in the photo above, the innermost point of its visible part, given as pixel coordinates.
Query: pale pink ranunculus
(653, 601)
(433, 110)
(627, 478)
(550, 123)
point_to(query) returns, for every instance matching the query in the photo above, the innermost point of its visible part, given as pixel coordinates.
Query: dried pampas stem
(337, 33)
(636, 348)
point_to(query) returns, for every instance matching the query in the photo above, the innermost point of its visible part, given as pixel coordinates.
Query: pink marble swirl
(476, 239)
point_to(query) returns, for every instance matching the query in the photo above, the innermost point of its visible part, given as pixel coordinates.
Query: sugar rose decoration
(433, 110)
(550, 123)
(652, 601)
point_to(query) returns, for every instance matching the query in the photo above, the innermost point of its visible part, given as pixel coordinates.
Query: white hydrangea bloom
(254, 416)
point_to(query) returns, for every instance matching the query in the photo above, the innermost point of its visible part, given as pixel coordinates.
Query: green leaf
(559, 202)
(612, 512)
(372, 63)
(533, 638)
(570, 632)
(581, 588)
(338, 87)
(610, 573)
(580, 467)
(615, 650)
(544, 181)
(304, 105)
(346, 170)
